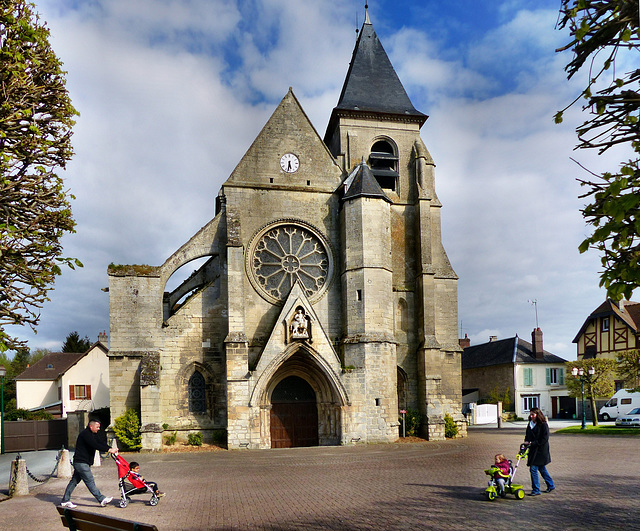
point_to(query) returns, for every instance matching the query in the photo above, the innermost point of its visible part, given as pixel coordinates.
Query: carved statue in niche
(299, 325)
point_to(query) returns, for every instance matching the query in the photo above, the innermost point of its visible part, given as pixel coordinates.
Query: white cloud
(172, 93)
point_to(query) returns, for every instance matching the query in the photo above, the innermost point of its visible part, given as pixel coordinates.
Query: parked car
(629, 419)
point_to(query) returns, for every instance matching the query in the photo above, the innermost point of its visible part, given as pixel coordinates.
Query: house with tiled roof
(612, 328)
(62, 382)
(532, 376)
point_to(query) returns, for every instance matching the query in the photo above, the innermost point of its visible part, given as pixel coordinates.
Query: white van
(620, 403)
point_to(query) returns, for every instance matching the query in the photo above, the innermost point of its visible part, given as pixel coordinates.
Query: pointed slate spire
(362, 183)
(372, 83)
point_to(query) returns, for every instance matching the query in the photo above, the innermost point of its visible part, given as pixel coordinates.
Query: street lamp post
(580, 373)
(3, 372)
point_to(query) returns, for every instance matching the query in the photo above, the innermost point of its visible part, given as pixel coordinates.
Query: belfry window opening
(383, 161)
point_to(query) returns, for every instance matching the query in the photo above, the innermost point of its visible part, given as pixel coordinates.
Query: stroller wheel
(124, 502)
(154, 500)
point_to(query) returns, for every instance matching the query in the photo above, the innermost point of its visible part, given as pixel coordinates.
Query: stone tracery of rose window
(286, 254)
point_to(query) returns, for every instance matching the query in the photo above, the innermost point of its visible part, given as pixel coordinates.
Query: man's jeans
(82, 472)
(535, 480)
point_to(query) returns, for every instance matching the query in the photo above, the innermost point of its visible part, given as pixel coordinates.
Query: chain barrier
(47, 478)
(14, 475)
(14, 479)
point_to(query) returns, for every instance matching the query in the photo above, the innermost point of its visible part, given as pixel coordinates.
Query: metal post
(2, 373)
(584, 413)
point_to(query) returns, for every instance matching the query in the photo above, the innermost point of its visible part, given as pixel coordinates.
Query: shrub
(413, 419)
(127, 430)
(195, 439)
(450, 427)
(170, 440)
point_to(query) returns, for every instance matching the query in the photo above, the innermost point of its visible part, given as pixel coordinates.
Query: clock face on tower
(289, 163)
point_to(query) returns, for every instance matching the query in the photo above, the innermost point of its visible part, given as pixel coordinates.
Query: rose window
(286, 254)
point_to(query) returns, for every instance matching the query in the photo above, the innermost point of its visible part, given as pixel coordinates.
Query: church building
(325, 303)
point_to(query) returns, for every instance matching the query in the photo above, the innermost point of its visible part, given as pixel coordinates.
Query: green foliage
(12, 413)
(413, 420)
(36, 117)
(497, 395)
(170, 440)
(597, 385)
(73, 343)
(601, 32)
(450, 427)
(195, 439)
(629, 368)
(127, 430)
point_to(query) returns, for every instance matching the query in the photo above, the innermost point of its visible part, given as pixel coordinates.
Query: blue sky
(172, 93)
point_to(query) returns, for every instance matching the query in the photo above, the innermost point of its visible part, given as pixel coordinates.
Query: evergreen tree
(73, 343)
(36, 117)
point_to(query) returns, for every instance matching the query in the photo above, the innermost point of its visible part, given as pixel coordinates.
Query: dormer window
(383, 161)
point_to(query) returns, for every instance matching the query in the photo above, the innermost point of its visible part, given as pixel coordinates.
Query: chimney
(464, 343)
(493, 338)
(103, 338)
(536, 342)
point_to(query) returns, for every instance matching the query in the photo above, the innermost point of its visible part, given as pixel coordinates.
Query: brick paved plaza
(430, 485)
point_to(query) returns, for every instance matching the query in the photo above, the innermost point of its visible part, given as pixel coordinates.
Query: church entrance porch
(294, 414)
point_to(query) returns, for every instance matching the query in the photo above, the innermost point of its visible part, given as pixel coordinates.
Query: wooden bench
(83, 521)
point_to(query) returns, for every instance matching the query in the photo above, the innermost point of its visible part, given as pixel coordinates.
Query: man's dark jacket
(86, 446)
(539, 449)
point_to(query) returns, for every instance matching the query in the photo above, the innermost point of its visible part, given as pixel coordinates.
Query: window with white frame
(555, 376)
(528, 376)
(530, 401)
(605, 324)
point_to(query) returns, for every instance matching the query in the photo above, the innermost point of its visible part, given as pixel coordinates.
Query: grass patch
(599, 430)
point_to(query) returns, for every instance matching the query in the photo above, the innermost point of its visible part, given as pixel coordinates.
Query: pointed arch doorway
(294, 414)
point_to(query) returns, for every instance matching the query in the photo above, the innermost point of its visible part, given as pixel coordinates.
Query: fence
(30, 435)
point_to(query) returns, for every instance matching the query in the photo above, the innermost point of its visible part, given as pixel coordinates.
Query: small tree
(599, 384)
(450, 427)
(127, 430)
(629, 368)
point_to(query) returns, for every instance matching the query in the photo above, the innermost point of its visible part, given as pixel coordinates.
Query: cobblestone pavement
(430, 485)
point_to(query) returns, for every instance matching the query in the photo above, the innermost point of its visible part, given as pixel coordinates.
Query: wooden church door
(294, 414)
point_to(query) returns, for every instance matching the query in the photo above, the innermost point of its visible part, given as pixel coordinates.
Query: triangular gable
(287, 131)
(281, 336)
(609, 308)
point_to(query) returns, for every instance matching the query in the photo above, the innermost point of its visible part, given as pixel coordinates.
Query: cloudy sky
(172, 93)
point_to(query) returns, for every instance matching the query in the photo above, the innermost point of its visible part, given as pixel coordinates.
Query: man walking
(86, 446)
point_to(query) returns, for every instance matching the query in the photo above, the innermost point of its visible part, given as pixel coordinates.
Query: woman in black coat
(537, 437)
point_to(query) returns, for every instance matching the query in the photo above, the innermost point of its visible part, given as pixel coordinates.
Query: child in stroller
(502, 474)
(131, 482)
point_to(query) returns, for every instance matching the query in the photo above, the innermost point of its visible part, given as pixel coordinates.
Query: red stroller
(139, 486)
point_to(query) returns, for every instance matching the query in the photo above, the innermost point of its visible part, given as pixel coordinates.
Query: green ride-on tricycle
(494, 490)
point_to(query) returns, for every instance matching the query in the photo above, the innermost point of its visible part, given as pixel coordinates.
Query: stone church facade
(326, 303)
